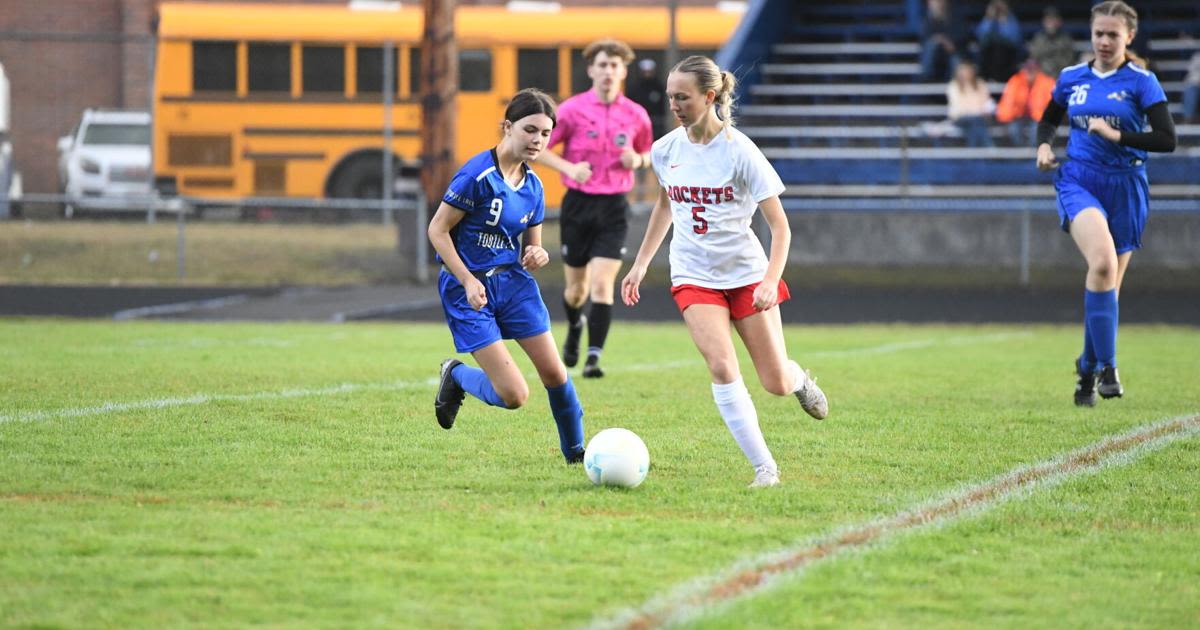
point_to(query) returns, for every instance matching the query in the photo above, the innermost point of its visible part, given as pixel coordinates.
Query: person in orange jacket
(1024, 98)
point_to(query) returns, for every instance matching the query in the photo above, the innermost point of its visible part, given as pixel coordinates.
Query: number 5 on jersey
(701, 226)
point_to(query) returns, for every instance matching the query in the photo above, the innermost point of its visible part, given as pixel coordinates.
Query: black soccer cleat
(1085, 387)
(1110, 384)
(449, 395)
(591, 369)
(571, 345)
(576, 457)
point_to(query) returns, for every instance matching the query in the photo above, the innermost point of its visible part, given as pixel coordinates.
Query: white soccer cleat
(811, 398)
(765, 477)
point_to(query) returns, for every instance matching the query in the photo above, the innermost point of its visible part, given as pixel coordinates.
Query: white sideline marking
(347, 388)
(746, 578)
(176, 308)
(918, 344)
(342, 317)
(204, 399)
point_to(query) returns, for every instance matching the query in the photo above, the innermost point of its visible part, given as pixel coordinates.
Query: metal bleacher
(833, 96)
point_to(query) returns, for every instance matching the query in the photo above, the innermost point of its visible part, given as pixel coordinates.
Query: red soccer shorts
(739, 301)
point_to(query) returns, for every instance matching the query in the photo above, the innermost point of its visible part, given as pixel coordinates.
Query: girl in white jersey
(713, 178)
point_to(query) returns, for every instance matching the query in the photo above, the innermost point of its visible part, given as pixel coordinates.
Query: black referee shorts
(593, 226)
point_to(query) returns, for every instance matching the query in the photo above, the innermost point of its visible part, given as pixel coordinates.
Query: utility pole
(439, 86)
(671, 60)
(672, 35)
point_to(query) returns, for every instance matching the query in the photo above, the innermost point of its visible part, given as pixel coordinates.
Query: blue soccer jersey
(1121, 97)
(496, 212)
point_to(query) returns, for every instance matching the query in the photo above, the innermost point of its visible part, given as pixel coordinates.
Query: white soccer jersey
(714, 190)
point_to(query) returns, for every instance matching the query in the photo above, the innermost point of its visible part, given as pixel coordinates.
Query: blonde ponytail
(1132, 56)
(725, 98)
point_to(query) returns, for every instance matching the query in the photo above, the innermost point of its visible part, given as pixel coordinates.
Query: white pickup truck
(10, 179)
(104, 164)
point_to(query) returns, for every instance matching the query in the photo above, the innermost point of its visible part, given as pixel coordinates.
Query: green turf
(272, 504)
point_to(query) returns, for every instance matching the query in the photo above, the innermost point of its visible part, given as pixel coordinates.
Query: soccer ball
(616, 457)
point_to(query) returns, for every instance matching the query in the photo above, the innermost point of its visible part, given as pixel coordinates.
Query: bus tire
(359, 178)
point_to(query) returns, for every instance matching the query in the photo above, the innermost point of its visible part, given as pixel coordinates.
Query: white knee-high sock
(739, 414)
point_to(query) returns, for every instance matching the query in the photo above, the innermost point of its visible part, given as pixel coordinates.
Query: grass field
(193, 475)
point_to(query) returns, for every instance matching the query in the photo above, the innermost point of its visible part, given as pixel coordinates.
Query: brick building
(63, 56)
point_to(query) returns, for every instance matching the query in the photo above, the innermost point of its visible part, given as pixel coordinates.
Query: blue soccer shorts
(1122, 195)
(514, 310)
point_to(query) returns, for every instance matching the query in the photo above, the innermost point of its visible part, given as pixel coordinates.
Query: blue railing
(764, 23)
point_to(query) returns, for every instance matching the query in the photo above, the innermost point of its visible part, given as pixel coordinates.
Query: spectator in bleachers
(1191, 91)
(942, 41)
(1023, 101)
(1052, 47)
(970, 104)
(999, 39)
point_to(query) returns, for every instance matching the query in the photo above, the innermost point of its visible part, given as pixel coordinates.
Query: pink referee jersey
(596, 133)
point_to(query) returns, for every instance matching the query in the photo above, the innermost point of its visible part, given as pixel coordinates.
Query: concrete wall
(982, 240)
(1170, 239)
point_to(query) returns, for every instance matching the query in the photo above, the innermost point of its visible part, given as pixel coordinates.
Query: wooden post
(672, 58)
(439, 86)
(672, 37)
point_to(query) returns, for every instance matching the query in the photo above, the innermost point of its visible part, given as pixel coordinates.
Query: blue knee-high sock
(475, 382)
(568, 415)
(1087, 360)
(1100, 308)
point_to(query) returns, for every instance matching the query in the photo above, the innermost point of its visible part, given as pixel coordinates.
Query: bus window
(270, 67)
(538, 68)
(579, 78)
(370, 70)
(324, 69)
(214, 66)
(475, 70)
(414, 71)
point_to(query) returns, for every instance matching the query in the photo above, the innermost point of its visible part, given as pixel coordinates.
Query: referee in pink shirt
(605, 137)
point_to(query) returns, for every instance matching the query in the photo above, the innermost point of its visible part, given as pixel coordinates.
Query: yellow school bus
(269, 100)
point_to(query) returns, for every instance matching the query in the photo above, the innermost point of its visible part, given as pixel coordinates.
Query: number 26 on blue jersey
(1078, 94)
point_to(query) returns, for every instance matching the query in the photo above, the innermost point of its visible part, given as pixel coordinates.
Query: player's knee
(723, 370)
(516, 400)
(601, 293)
(553, 376)
(1103, 266)
(514, 397)
(575, 295)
